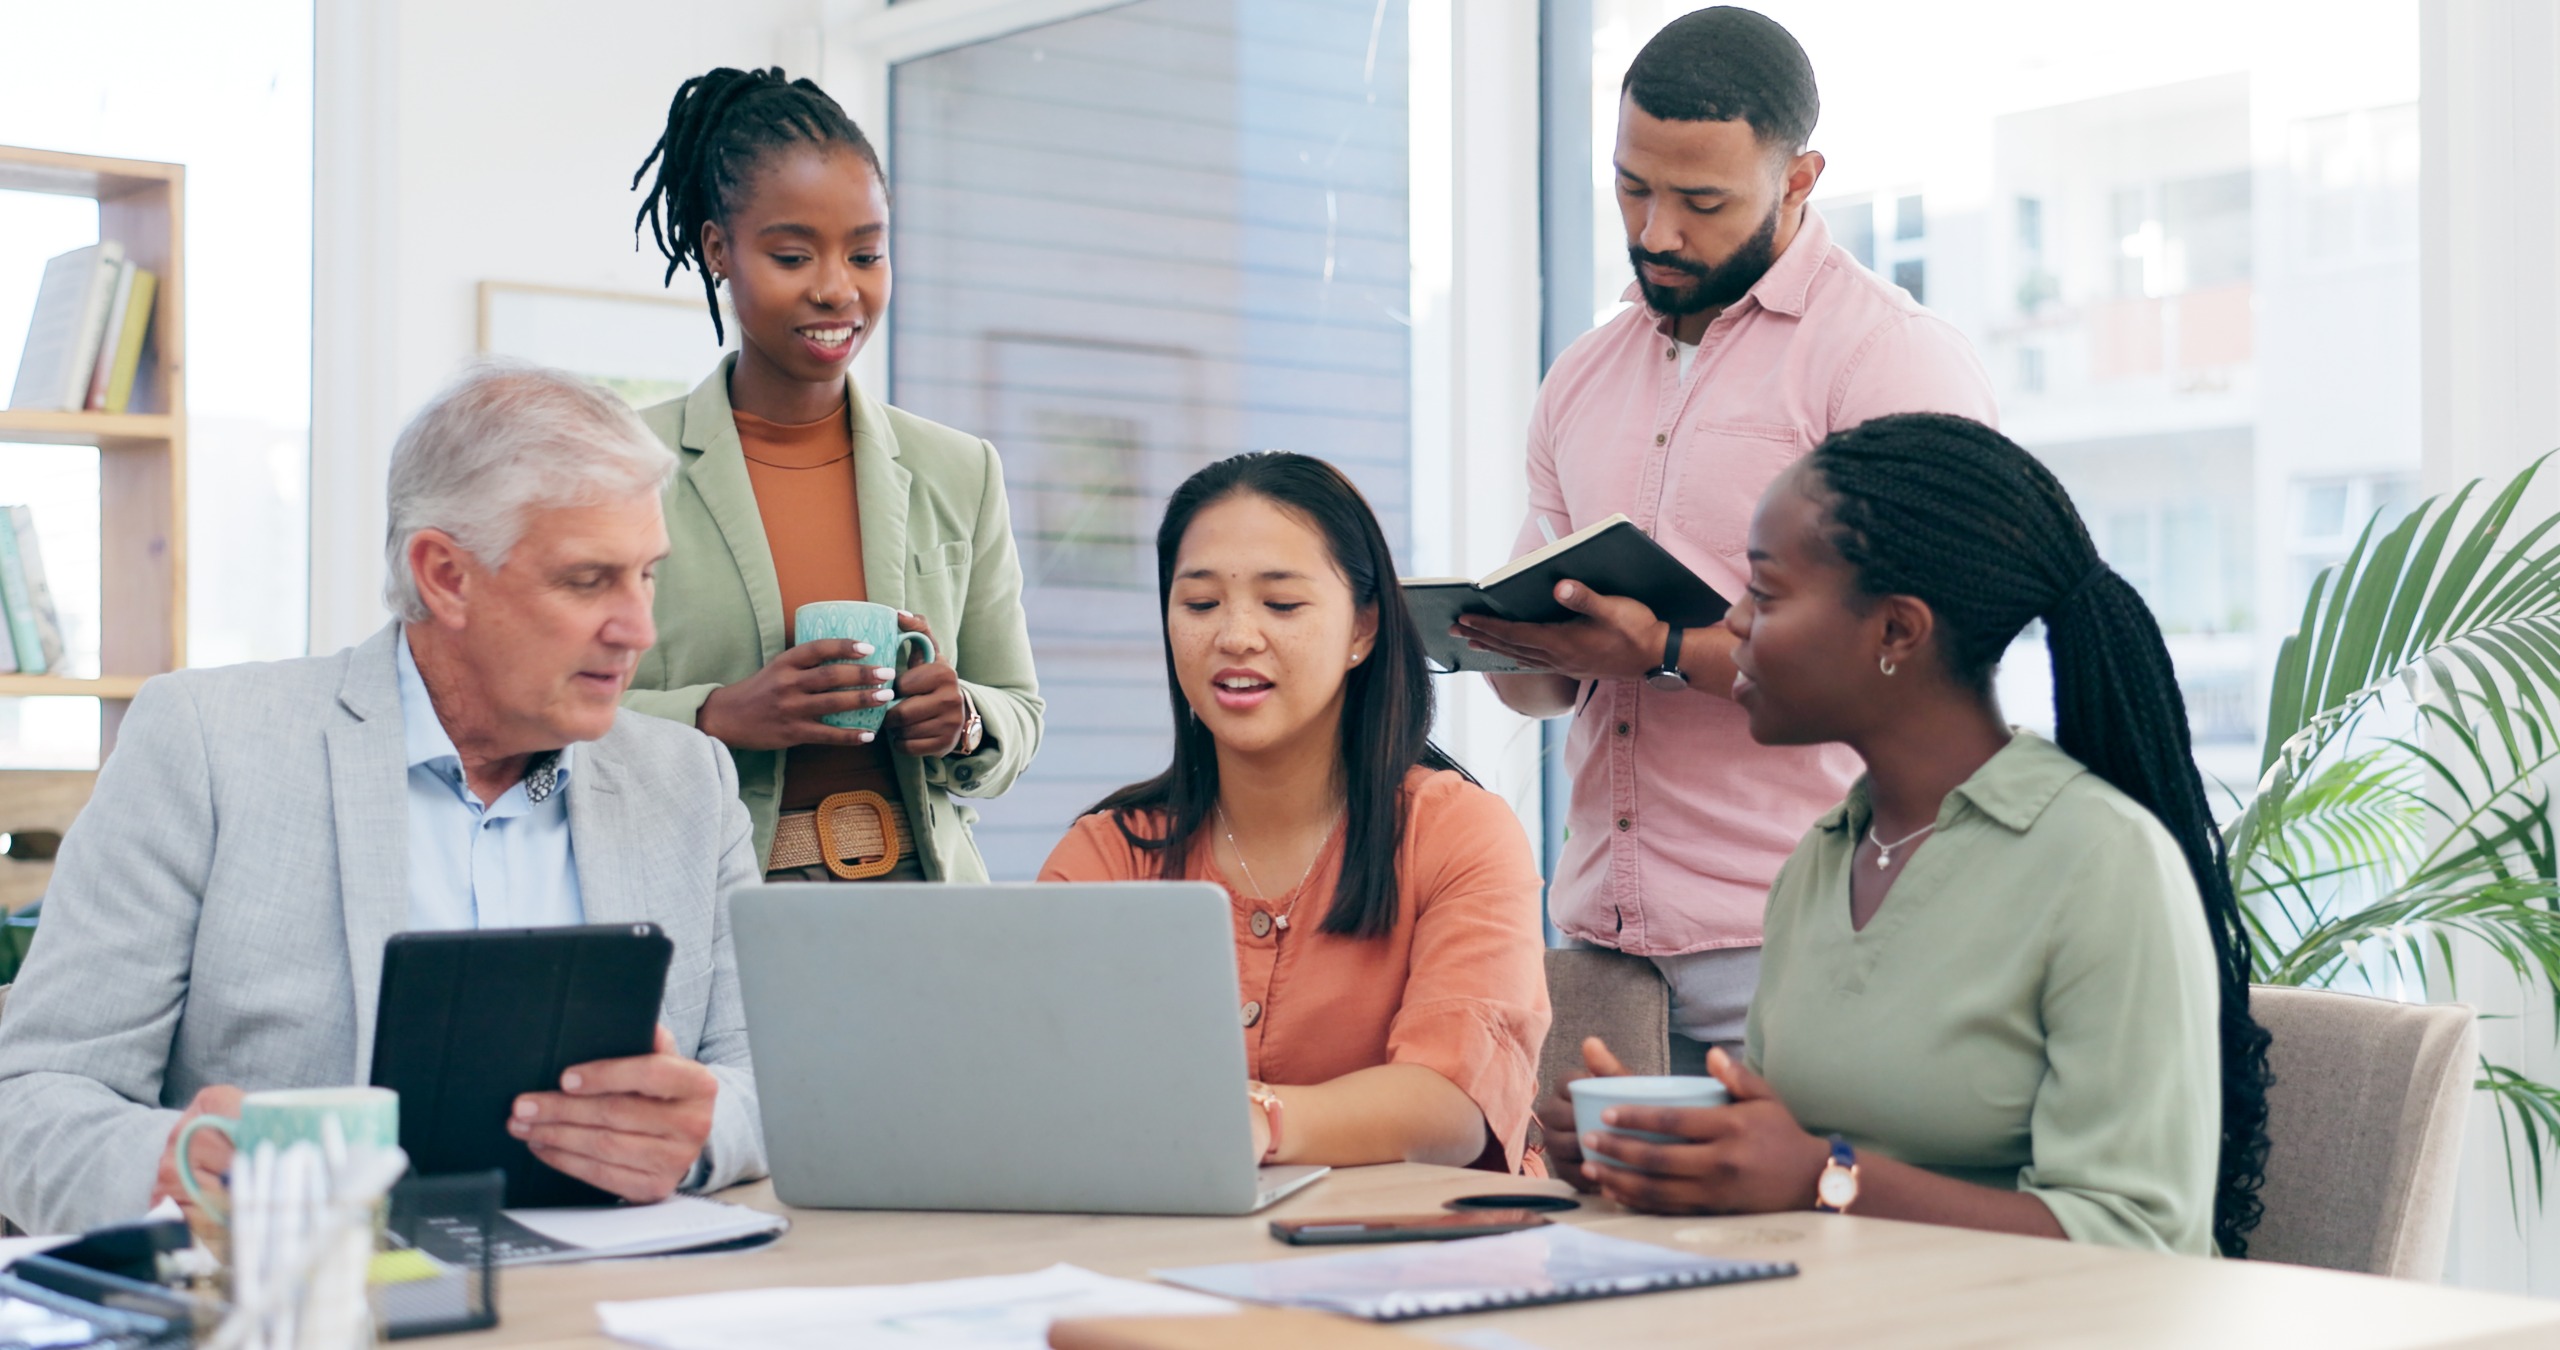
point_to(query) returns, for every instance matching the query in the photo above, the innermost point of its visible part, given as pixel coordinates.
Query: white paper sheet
(675, 1224)
(994, 1312)
(11, 1248)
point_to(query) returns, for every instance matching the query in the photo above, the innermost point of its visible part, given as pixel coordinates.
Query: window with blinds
(1126, 245)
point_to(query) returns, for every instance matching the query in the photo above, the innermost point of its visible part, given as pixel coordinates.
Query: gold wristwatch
(1837, 1188)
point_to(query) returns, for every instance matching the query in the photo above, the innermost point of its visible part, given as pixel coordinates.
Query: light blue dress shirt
(506, 865)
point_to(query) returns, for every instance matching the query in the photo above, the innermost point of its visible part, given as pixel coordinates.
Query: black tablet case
(470, 1020)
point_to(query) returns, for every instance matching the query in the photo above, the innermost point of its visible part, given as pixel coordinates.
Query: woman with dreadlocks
(798, 486)
(2006, 983)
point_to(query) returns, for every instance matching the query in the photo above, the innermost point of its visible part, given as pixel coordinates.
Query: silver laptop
(1062, 1047)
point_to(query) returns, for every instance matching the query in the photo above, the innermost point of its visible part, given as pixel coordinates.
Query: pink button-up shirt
(1679, 819)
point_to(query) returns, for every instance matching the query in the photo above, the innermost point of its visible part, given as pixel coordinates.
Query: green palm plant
(2401, 805)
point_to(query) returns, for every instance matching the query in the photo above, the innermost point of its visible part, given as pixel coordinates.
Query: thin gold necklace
(1281, 919)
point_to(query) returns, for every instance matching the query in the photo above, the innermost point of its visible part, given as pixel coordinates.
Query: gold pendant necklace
(1281, 919)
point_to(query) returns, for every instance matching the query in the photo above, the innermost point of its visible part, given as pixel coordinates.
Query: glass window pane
(2137, 242)
(1909, 222)
(2205, 223)
(1853, 227)
(2188, 596)
(1129, 244)
(2393, 496)
(2324, 511)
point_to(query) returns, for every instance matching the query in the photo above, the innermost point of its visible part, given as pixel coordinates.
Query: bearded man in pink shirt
(1756, 338)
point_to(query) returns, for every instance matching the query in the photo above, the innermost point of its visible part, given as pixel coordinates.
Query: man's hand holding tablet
(632, 1126)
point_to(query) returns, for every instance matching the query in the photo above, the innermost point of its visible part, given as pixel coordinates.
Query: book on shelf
(35, 627)
(126, 350)
(1611, 556)
(66, 329)
(120, 349)
(102, 367)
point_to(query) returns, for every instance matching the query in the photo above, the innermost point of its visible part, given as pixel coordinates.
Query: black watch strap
(1669, 677)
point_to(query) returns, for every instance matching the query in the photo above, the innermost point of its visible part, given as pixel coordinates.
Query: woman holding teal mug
(816, 533)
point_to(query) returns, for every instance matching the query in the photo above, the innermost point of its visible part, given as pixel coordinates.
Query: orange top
(1459, 986)
(803, 477)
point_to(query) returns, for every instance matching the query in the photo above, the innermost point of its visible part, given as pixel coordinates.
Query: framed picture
(647, 348)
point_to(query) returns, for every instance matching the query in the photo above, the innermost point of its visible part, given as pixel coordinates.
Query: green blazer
(937, 540)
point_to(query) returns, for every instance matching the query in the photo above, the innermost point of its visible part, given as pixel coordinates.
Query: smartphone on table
(1404, 1227)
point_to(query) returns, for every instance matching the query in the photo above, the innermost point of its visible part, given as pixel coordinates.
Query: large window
(225, 91)
(2189, 266)
(1129, 244)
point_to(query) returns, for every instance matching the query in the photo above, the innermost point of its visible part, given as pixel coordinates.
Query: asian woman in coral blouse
(1385, 906)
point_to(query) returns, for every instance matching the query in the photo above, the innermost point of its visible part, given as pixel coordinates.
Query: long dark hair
(1956, 514)
(1386, 712)
(719, 129)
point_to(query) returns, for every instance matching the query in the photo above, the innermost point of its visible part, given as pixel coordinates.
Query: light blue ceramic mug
(366, 1116)
(861, 621)
(1592, 1096)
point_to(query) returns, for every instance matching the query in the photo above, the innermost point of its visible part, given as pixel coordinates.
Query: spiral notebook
(1557, 1264)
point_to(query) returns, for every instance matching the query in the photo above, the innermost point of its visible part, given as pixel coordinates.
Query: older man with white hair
(217, 915)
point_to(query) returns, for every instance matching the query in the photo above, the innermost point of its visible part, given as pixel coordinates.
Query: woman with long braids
(1385, 907)
(2007, 982)
(798, 486)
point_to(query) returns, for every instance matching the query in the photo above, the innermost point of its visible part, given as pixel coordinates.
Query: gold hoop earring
(1885, 664)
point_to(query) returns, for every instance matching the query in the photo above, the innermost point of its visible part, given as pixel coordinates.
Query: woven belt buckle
(846, 807)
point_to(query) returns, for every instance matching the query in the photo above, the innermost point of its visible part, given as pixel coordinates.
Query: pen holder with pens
(303, 1220)
(332, 1257)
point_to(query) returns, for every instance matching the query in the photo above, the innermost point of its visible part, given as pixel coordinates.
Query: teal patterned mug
(862, 621)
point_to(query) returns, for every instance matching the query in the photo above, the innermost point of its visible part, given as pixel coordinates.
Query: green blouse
(2033, 1007)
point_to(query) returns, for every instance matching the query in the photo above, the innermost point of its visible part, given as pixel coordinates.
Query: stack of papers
(685, 1223)
(995, 1312)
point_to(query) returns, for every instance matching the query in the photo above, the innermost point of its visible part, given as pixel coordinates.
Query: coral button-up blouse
(1458, 987)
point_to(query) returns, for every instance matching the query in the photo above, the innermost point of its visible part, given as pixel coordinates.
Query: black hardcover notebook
(469, 1020)
(1612, 557)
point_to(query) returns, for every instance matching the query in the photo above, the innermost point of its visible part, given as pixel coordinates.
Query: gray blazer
(217, 915)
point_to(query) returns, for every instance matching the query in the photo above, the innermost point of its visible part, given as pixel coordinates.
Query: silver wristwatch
(1667, 677)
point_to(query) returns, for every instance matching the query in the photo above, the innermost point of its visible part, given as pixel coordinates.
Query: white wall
(463, 141)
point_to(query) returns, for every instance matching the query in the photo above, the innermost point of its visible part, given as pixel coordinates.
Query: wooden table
(1865, 1282)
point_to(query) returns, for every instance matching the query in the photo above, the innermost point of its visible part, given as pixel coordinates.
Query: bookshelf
(142, 460)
